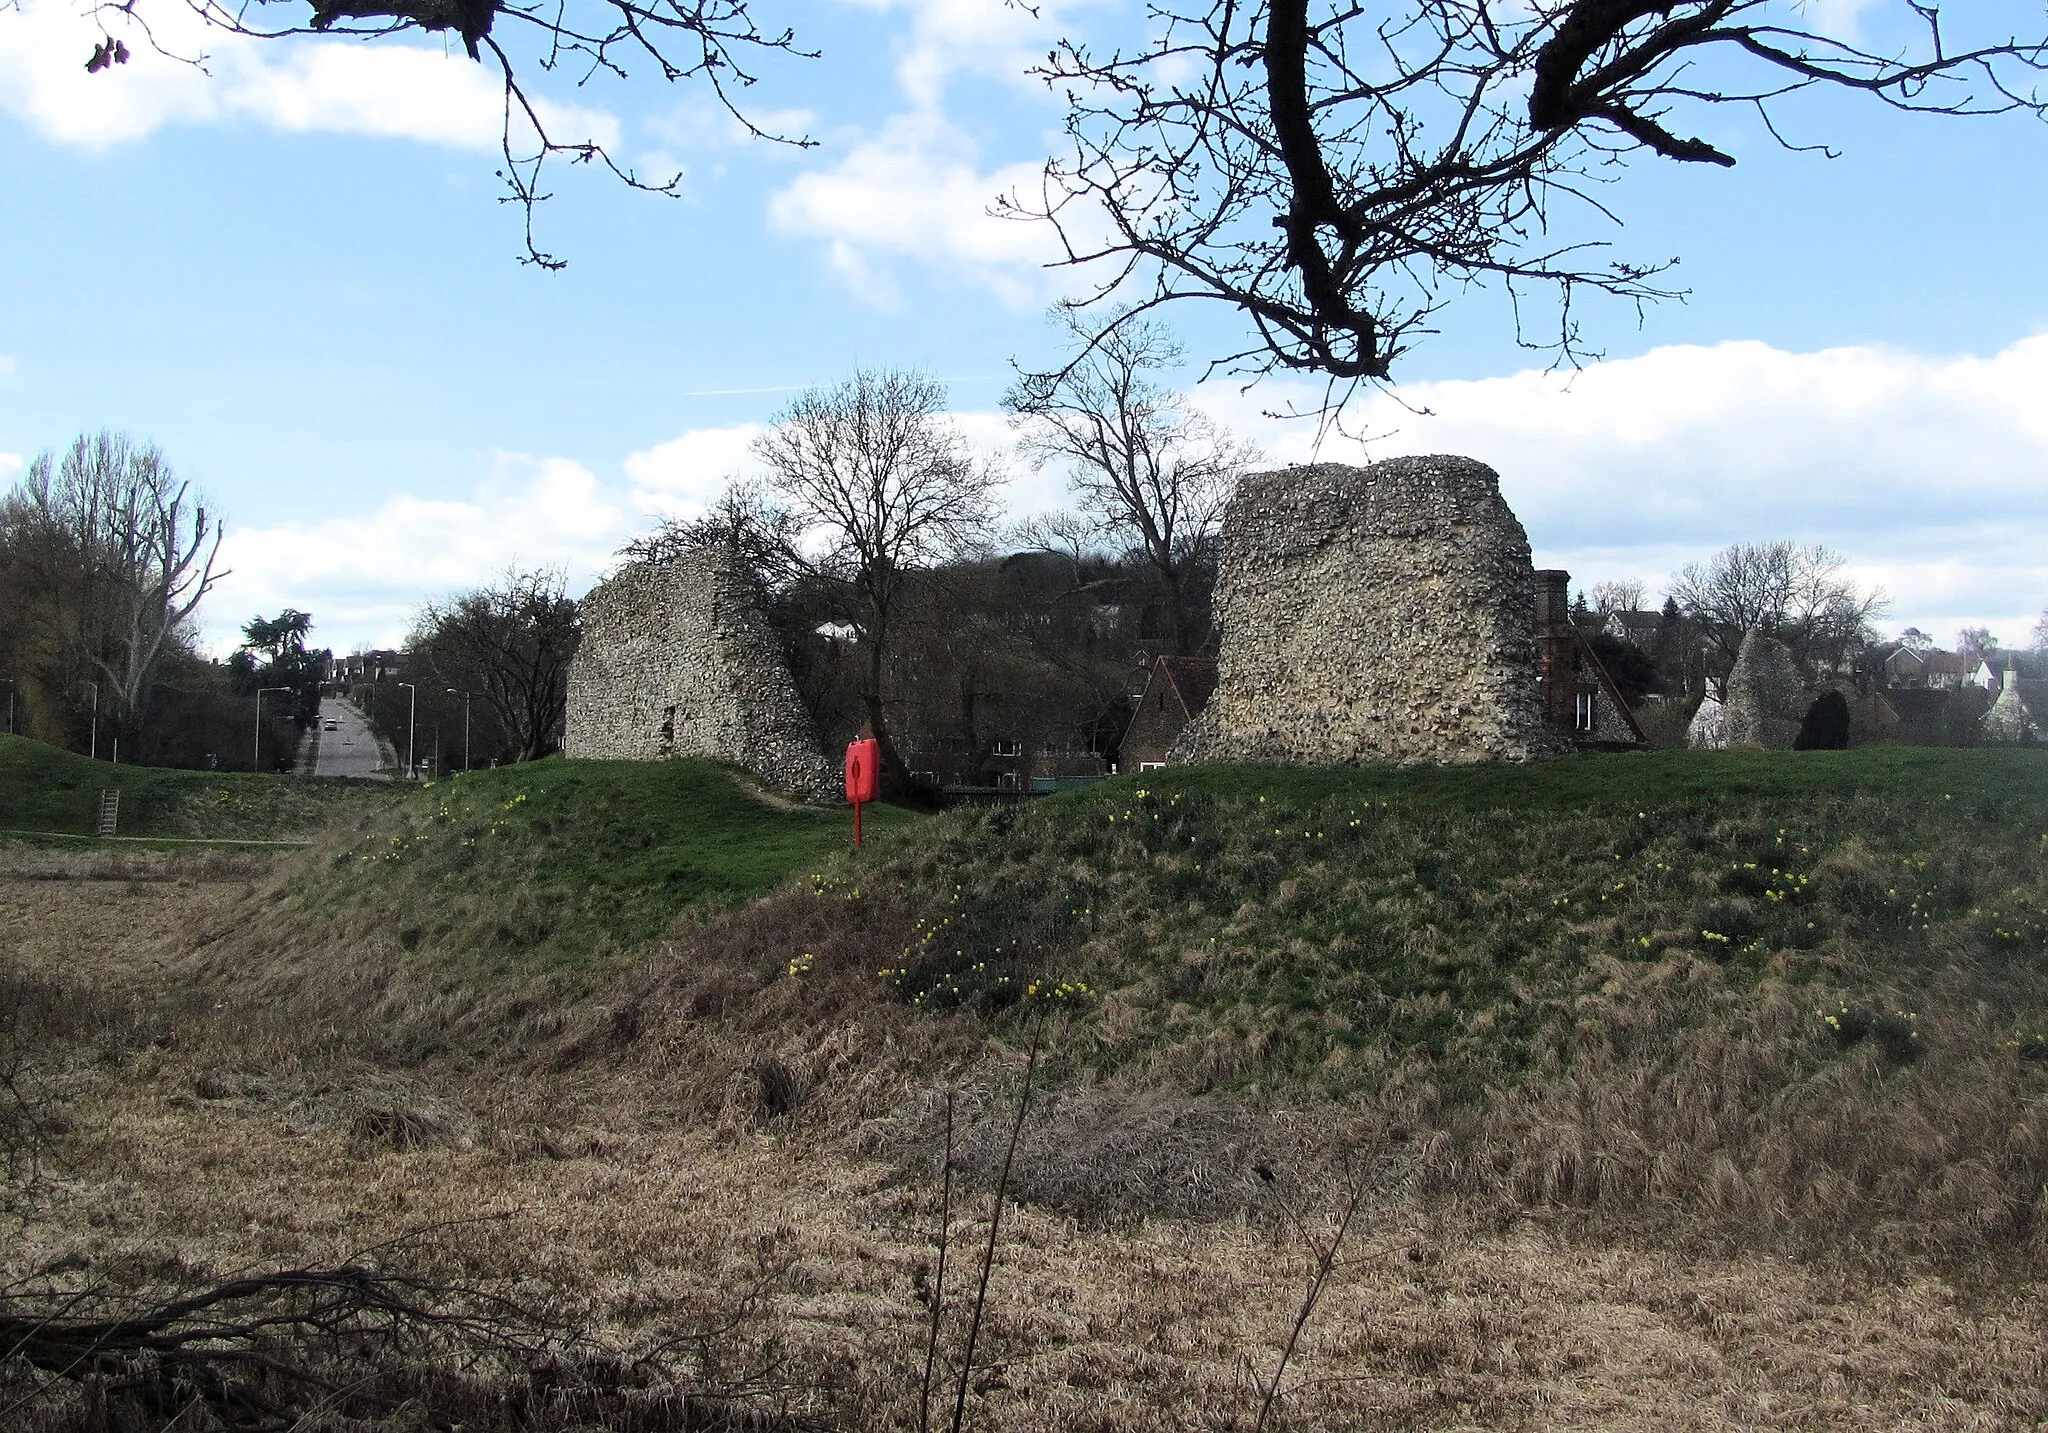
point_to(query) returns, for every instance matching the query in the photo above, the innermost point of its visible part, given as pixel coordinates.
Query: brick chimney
(1553, 597)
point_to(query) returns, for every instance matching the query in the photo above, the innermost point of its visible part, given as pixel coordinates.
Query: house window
(1009, 748)
(1582, 711)
(1151, 766)
(1008, 781)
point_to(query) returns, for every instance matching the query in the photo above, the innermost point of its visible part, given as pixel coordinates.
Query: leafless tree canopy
(122, 553)
(513, 640)
(1146, 471)
(1976, 642)
(871, 482)
(1339, 171)
(1800, 595)
(1622, 595)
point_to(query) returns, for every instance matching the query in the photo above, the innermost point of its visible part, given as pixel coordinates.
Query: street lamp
(256, 755)
(453, 691)
(94, 750)
(412, 712)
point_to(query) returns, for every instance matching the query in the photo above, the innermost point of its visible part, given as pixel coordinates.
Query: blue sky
(293, 274)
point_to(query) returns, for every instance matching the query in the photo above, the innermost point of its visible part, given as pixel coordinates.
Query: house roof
(1948, 664)
(1636, 626)
(1191, 680)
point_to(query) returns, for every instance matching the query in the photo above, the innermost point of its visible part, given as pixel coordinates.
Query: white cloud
(1929, 473)
(332, 85)
(680, 478)
(364, 576)
(11, 465)
(917, 191)
(994, 39)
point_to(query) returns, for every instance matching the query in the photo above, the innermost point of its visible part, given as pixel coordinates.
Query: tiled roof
(1192, 680)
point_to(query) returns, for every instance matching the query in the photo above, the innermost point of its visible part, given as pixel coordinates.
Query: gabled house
(1580, 699)
(1638, 629)
(1930, 667)
(1176, 690)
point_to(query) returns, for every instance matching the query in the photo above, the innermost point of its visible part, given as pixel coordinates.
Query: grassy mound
(555, 863)
(47, 789)
(1780, 1000)
(1247, 924)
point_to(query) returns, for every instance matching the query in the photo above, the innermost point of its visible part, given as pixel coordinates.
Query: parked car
(331, 724)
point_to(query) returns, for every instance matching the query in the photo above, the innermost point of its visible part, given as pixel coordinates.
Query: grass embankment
(1301, 924)
(1781, 997)
(562, 864)
(48, 791)
(1791, 997)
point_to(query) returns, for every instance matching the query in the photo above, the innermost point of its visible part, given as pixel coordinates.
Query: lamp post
(93, 751)
(412, 712)
(455, 691)
(256, 754)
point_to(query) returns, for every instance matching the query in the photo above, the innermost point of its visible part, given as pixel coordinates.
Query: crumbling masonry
(1374, 614)
(677, 660)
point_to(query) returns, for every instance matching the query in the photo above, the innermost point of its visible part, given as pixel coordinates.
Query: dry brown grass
(233, 1101)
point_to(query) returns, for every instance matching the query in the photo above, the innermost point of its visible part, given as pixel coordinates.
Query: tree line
(105, 555)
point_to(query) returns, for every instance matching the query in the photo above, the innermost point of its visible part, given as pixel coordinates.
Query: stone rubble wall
(1377, 614)
(2007, 722)
(1767, 698)
(686, 636)
(1708, 729)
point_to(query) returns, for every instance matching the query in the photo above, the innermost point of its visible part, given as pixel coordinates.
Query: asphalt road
(349, 750)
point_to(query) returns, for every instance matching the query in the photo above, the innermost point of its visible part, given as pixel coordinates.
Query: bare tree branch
(1338, 173)
(716, 43)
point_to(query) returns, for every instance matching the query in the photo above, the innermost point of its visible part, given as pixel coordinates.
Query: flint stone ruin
(1767, 698)
(1708, 730)
(678, 660)
(1374, 614)
(2007, 722)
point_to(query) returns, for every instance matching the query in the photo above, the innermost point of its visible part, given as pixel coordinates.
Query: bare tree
(1338, 173)
(1976, 642)
(2040, 637)
(1801, 595)
(873, 483)
(128, 553)
(1623, 595)
(514, 639)
(1145, 470)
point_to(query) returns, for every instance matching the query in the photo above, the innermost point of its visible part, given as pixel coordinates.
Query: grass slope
(44, 788)
(553, 863)
(1247, 924)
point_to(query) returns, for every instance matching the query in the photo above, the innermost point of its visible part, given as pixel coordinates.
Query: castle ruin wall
(678, 660)
(1377, 614)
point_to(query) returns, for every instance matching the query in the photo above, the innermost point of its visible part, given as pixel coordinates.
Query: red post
(863, 776)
